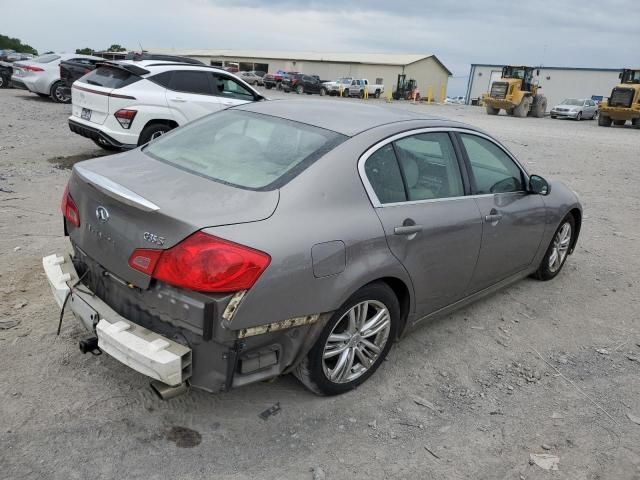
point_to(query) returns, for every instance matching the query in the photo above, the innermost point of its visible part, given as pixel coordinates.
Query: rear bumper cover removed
(133, 345)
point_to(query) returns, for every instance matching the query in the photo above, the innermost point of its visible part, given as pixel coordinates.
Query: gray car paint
(324, 235)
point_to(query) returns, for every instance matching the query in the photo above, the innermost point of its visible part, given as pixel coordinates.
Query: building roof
(541, 67)
(368, 58)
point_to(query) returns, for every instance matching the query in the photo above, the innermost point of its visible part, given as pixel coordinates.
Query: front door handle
(493, 217)
(178, 99)
(407, 230)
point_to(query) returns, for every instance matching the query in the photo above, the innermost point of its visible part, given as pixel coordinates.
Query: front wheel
(558, 250)
(604, 121)
(353, 343)
(579, 116)
(59, 93)
(299, 89)
(377, 94)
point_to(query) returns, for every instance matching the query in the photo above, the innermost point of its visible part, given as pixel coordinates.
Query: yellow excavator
(517, 92)
(624, 102)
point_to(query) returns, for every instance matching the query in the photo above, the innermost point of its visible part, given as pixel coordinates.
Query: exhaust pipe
(166, 392)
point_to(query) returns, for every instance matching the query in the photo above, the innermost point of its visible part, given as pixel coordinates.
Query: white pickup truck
(357, 87)
(333, 88)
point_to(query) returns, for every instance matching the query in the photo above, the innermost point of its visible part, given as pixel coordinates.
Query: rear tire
(558, 250)
(57, 93)
(316, 368)
(604, 121)
(491, 110)
(539, 107)
(377, 94)
(152, 131)
(619, 123)
(300, 89)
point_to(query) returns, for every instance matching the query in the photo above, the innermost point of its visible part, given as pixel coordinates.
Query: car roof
(164, 65)
(346, 118)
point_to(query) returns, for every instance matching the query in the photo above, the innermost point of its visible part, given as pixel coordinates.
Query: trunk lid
(131, 201)
(90, 102)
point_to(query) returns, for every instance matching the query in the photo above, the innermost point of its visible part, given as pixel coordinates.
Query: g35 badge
(153, 238)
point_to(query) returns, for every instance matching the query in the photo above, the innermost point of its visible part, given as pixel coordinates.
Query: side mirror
(539, 185)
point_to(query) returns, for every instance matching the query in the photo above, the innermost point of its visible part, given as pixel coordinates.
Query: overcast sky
(577, 33)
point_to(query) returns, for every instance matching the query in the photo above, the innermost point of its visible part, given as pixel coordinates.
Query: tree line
(8, 43)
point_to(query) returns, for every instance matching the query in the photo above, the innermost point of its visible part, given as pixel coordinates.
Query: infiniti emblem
(102, 214)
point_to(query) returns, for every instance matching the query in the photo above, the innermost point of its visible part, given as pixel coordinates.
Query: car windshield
(46, 58)
(247, 150)
(572, 101)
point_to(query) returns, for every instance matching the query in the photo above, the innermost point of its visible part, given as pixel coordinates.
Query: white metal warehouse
(381, 68)
(557, 83)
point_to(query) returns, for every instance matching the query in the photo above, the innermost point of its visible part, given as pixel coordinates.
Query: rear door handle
(407, 230)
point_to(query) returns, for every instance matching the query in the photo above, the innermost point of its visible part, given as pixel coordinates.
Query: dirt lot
(540, 368)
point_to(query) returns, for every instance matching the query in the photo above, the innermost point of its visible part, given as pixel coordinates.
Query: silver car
(41, 75)
(576, 108)
(251, 78)
(297, 236)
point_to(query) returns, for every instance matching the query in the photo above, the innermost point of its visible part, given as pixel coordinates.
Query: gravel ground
(539, 368)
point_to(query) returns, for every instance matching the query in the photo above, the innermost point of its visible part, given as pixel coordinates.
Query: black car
(6, 70)
(301, 83)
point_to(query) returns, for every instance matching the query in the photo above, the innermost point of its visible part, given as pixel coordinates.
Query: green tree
(116, 48)
(7, 43)
(84, 51)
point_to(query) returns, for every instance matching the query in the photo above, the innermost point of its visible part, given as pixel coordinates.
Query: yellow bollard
(366, 93)
(389, 96)
(430, 94)
(442, 92)
(340, 90)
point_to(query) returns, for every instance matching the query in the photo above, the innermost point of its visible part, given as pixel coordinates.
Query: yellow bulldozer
(517, 92)
(624, 102)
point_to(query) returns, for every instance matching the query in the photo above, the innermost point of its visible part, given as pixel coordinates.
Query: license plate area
(85, 114)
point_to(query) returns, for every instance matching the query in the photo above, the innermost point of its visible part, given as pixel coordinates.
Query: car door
(432, 227)
(229, 91)
(590, 107)
(513, 219)
(190, 95)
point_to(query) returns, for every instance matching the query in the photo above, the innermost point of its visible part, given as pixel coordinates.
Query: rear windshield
(110, 77)
(46, 58)
(247, 150)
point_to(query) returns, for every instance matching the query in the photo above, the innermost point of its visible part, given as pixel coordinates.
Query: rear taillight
(203, 263)
(125, 117)
(69, 208)
(32, 69)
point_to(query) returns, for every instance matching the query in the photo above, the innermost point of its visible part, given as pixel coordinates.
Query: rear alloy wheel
(604, 121)
(558, 250)
(299, 89)
(58, 93)
(152, 131)
(353, 343)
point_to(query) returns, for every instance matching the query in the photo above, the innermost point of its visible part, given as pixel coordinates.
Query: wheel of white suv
(152, 131)
(353, 343)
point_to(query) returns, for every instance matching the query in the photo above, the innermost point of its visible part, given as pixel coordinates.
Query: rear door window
(190, 81)
(384, 175)
(110, 77)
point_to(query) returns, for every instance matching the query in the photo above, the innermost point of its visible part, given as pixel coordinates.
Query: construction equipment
(624, 102)
(517, 93)
(406, 89)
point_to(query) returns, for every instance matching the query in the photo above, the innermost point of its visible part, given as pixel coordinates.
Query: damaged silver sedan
(296, 237)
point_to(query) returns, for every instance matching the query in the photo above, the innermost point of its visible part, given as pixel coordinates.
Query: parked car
(181, 271)
(250, 78)
(454, 100)
(259, 73)
(42, 75)
(274, 80)
(576, 108)
(73, 69)
(301, 83)
(6, 70)
(121, 105)
(334, 88)
(357, 88)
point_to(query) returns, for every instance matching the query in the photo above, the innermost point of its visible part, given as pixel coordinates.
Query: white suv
(122, 105)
